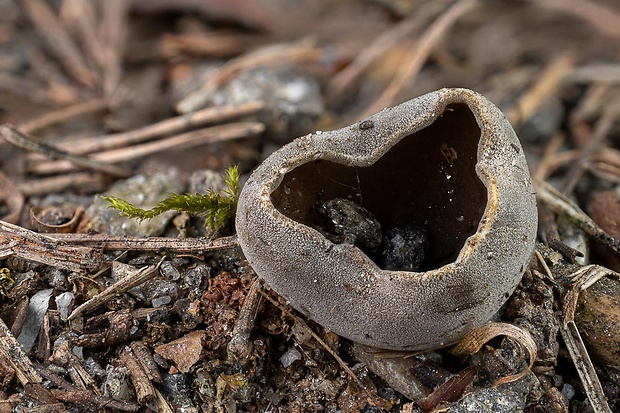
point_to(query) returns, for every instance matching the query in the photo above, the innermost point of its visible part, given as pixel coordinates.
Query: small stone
(568, 391)
(293, 100)
(490, 400)
(37, 308)
(597, 318)
(195, 278)
(161, 301)
(142, 191)
(169, 271)
(405, 248)
(64, 303)
(59, 279)
(183, 352)
(160, 291)
(93, 368)
(291, 356)
(116, 385)
(302, 335)
(178, 388)
(354, 222)
(205, 180)
(329, 388)
(189, 312)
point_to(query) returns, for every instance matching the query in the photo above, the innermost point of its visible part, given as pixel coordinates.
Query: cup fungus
(446, 166)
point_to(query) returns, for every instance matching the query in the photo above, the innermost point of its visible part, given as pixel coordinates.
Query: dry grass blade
(18, 86)
(546, 85)
(183, 141)
(120, 287)
(596, 73)
(601, 131)
(343, 79)
(81, 18)
(209, 44)
(545, 166)
(58, 40)
(582, 279)
(475, 339)
(595, 100)
(600, 17)
(64, 114)
(113, 32)
(605, 171)
(163, 128)
(94, 182)
(418, 55)
(29, 143)
(584, 366)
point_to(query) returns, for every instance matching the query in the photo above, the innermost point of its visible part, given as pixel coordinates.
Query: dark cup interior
(428, 180)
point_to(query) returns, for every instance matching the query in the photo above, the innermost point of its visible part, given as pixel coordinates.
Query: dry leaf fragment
(476, 338)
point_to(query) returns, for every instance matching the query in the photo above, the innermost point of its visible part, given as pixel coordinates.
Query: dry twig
(64, 357)
(210, 44)
(121, 286)
(598, 136)
(240, 347)
(145, 392)
(12, 352)
(30, 246)
(84, 180)
(173, 245)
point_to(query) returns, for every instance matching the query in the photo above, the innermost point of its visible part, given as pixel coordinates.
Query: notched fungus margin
(423, 192)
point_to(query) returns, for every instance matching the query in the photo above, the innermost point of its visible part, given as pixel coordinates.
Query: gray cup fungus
(447, 162)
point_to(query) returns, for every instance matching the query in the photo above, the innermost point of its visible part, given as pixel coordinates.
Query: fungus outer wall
(428, 179)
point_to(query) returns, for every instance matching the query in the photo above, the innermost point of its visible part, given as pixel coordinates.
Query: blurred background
(141, 98)
(311, 65)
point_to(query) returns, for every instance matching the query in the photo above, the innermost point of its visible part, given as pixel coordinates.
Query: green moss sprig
(216, 208)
